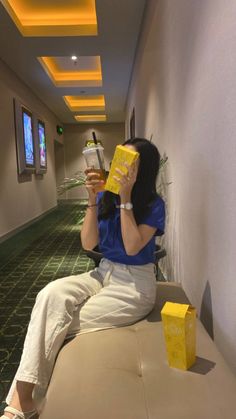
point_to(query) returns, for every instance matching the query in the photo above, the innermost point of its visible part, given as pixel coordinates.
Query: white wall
(184, 92)
(75, 138)
(21, 202)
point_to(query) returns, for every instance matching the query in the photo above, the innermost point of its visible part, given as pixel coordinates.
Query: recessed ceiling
(53, 18)
(90, 118)
(104, 62)
(64, 72)
(85, 103)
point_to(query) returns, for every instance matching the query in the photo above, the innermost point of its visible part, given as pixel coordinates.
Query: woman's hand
(127, 180)
(93, 183)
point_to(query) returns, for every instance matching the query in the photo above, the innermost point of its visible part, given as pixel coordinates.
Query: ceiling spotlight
(74, 58)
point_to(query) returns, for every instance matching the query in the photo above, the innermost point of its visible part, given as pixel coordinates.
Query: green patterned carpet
(47, 250)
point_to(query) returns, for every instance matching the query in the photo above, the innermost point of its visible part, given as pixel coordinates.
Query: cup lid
(87, 150)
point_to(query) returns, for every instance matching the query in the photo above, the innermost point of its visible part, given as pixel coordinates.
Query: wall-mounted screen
(42, 145)
(25, 141)
(28, 137)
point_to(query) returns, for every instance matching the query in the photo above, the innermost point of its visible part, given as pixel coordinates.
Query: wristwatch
(127, 205)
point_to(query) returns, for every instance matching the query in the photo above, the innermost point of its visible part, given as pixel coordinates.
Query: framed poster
(25, 142)
(40, 146)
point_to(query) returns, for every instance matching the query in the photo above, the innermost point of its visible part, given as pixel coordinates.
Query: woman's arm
(89, 231)
(134, 237)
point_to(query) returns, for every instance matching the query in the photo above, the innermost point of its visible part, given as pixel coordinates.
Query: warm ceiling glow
(85, 103)
(53, 18)
(90, 118)
(64, 72)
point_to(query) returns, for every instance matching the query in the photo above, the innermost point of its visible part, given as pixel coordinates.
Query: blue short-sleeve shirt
(110, 237)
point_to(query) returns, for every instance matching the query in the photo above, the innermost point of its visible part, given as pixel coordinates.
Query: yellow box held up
(122, 155)
(179, 324)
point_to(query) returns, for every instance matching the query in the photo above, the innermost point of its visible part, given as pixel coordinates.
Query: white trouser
(112, 295)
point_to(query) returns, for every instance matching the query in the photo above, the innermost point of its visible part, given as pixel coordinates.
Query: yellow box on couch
(122, 154)
(179, 325)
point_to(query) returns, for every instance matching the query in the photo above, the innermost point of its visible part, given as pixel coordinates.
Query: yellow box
(122, 154)
(179, 324)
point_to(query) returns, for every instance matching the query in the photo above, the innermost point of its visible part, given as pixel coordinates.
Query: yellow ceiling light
(65, 72)
(53, 18)
(85, 103)
(90, 118)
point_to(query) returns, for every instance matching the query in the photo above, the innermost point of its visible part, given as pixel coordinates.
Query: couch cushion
(123, 373)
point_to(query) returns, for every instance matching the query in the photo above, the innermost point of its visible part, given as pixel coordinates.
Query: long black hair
(144, 189)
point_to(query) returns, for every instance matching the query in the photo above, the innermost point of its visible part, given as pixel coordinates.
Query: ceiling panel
(63, 71)
(90, 118)
(85, 103)
(53, 18)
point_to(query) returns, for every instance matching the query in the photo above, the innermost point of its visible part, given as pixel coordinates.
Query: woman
(119, 292)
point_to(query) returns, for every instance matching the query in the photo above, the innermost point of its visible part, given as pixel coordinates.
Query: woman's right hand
(93, 183)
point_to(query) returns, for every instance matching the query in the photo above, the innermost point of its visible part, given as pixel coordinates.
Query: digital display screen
(42, 144)
(28, 138)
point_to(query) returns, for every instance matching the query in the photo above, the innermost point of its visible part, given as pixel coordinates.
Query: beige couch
(123, 374)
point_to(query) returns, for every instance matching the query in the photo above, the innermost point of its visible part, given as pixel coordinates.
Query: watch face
(128, 206)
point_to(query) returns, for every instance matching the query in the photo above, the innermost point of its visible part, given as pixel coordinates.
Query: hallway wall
(75, 138)
(184, 93)
(21, 202)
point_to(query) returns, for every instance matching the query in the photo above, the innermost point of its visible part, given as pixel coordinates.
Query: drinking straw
(98, 154)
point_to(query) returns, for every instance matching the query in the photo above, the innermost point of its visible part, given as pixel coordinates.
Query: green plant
(162, 184)
(78, 179)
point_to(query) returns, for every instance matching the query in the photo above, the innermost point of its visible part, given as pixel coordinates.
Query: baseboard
(72, 201)
(25, 225)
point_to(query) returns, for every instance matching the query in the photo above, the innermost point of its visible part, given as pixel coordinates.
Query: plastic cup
(94, 159)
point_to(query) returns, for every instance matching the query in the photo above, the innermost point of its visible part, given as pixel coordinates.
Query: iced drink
(94, 158)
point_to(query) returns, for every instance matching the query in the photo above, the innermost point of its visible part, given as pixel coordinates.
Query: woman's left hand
(127, 180)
